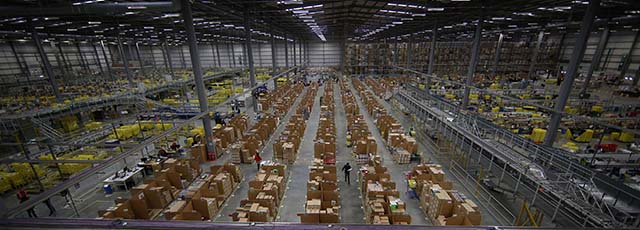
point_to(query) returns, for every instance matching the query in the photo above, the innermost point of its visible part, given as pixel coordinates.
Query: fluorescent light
(435, 9)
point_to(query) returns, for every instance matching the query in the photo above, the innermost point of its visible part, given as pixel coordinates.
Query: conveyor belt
(516, 161)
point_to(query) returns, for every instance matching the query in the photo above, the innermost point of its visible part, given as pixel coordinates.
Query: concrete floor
(351, 207)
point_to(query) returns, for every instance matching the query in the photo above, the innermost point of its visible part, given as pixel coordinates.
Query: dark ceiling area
(154, 21)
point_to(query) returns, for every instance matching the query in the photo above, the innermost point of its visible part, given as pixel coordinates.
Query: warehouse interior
(311, 114)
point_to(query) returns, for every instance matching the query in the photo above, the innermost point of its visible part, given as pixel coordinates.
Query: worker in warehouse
(347, 172)
(22, 197)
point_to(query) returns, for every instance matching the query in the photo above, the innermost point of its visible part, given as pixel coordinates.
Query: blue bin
(107, 189)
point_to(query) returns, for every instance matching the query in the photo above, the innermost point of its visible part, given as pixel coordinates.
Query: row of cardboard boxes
(178, 191)
(325, 149)
(265, 194)
(390, 129)
(285, 148)
(381, 198)
(365, 148)
(254, 140)
(323, 201)
(442, 204)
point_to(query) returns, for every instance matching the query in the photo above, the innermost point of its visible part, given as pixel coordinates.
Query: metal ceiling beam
(90, 9)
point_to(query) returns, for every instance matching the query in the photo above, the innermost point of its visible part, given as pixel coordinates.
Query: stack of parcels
(429, 173)
(147, 201)
(253, 211)
(402, 157)
(253, 140)
(264, 196)
(224, 136)
(239, 124)
(383, 205)
(449, 207)
(323, 203)
(285, 149)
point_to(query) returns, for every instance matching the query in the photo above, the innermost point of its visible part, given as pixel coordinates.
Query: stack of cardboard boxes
(253, 140)
(381, 199)
(265, 194)
(322, 205)
(325, 143)
(390, 129)
(179, 192)
(365, 148)
(440, 203)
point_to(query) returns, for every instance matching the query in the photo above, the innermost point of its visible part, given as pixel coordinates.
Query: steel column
(106, 60)
(84, 64)
(475, 53)
(218, 54)
(409, 53)
(125, 62)
(595, 61)
(496, 59)
(432, 57)
(286, 54)
(293, 45)
(153, 57)
(536, 51)
(252, 70)
(273, 59)
(64, 59)
(233, 54)
(213, 55)
(166, 47)
(627, 61)
(95, 52)
(572, 70)
(184, 62)
(300, 52)
(140, 62)
(22, 67)
(197, 73)
(46, 64)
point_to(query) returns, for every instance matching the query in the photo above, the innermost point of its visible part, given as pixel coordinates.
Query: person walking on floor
(258, 159)
(52, 210)
(347, 171)
(23, 196)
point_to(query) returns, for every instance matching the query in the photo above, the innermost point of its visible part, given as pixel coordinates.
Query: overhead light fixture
(136, 7)
(94, 23)
(435, 9)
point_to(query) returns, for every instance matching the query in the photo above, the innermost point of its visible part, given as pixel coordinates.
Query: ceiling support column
(83, 64)
(432, 57)
(46, 64)
(595, 61)
(286, 55)
(23, 68)
(273, 59)
(534, 58)
(294, 53)
(475, 53)
(153, 57)
(218, 54)
(627, 61)
(140, 62)
(197, 74)
(213, 54)
(252, 70)
(498, 52)
(106, 61)
(125, 62)
(233, 54)
(300, 53)
(184, 61)
(95, 52)
(572, 70)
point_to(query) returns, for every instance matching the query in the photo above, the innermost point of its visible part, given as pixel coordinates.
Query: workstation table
(122, 181)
